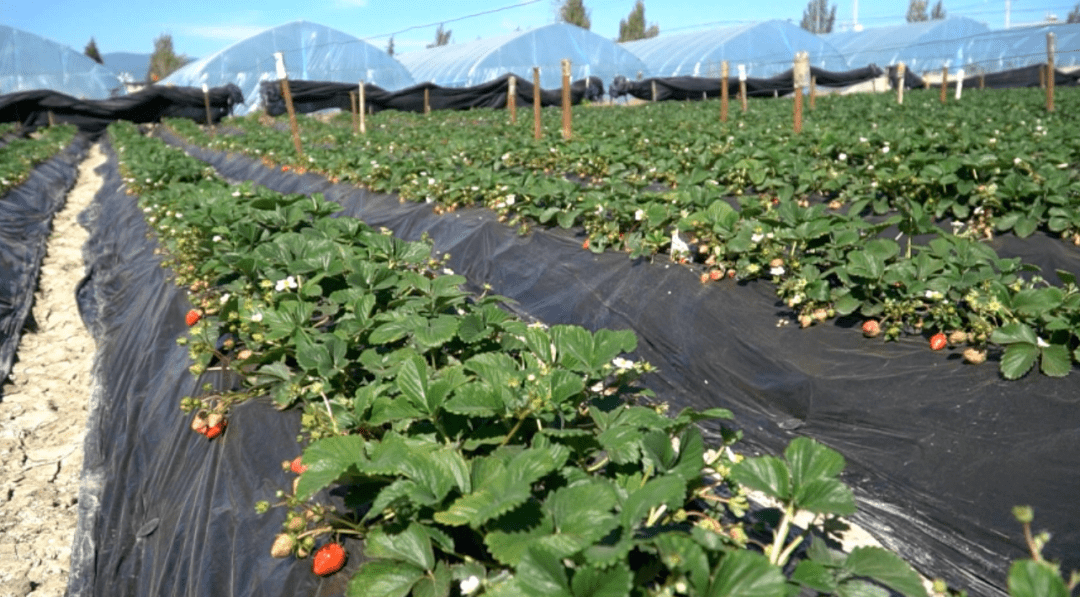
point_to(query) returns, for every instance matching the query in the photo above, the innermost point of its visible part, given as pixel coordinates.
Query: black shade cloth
(32, 108)
(162, 510)
(692, 88)
(26, 213)
(938, 451)
(312, 96)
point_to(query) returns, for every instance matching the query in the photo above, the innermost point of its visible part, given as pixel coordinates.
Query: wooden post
(982, 80)
(813, 91)
(536, 102)
(723, 91)
(511, 98)
(959, 84)
(800, 74)
(900, 72)
(654, 91)
(427, 101)
(287, 94)
(944, 82)
(52, 119)
(362, 100)
(353, 108)
(206, 102)
(567, 131)
(1050, 72)
(925, 81)
(742, 86)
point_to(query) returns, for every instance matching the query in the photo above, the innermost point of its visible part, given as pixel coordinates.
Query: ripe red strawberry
(328, 559)
(216, 429)
(193, 316)
(704, 278)
(871, 328)
(585, 245)
(716, 274)
(297, 466)
(938, 341)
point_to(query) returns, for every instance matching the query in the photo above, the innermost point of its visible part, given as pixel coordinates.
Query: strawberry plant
(19, 155)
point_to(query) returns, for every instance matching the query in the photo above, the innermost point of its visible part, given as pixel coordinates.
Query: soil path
(43, 410)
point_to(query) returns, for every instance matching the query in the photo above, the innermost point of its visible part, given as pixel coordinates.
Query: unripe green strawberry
(974, 355)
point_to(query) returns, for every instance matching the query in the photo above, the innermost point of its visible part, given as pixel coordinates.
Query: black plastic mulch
(26, 213)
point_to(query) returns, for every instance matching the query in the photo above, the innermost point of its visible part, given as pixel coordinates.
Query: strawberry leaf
(592, 581)
(1056, 361)
(327, 460)
(382, 578)
(764, 473)
(412, 546)
(1028, 578)
(886, 568)
(1018, 360)
(747, 574)
(540, 573)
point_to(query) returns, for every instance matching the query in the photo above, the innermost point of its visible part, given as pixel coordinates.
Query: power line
(455, 19)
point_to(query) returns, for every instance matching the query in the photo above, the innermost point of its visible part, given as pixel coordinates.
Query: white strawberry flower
(1016, 161)
(217, 238)
(470, 585)
(510, 199)
(1041, 343)
(622, 364)
(639, 215)
(288, 283)
(777, 271)
(842, 157)
(224, 298)
(256, 317)
(885, 149)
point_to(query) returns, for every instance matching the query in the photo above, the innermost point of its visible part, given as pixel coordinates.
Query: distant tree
(818, 17)
(1074, 15)
(938, 13)
(442, 37)
(92, 53)
(164, 60)
(633, 26)
(916, 12)
(390, 46)
(575, 13)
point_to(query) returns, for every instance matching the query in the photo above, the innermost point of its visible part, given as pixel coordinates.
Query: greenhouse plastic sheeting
(1022, 46)
(692, 88)
(766, 49)
(162, 510)
(938, 451)
(29, 62)
(311, 51)
(311, 96)
(474, 62)
(923, 46)
(26, 213)
(33, 108)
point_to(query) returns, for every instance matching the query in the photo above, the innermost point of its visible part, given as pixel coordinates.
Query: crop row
(750, 199)
(480, 454)
(19, 156)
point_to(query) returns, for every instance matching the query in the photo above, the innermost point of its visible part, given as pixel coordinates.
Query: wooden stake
(52, 119)
(362, 100)
(742, 86)
(1050, 72)
(944, 82)
(925, 81)
(353, 108)
(511, 99)
(536, 102)
(813, 91)
(982, 80)
(566, 124)
(287, 94)
(900, 71)
(800, 74)
(654, 91)
(206, 102)
(723, 91)
(427, 101)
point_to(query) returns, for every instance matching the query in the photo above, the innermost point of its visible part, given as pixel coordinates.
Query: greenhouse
(29, 62)
(924, 46)
(472, 63)
(312, 52)
(1025, 46)
(765, 48)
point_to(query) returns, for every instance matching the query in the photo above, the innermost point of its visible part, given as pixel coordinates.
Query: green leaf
(436, 331)
(327, 460)
(592, 581)
(1056, 360)
(747, 574)
(668, 490)
(764, 473)
(1028, 578)
(861, 588)
(434, 584)
(412, 546)
(825, 496)
(412, 379)
(810, 461)
(475, 399)
(885, 567)
(815, 576)
(1012, 333)
(623, 444)
(1018, 360)
(1036, 301)
(382, 578)
(542, 574)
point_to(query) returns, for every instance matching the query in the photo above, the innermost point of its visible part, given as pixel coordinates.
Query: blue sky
(200, 27)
